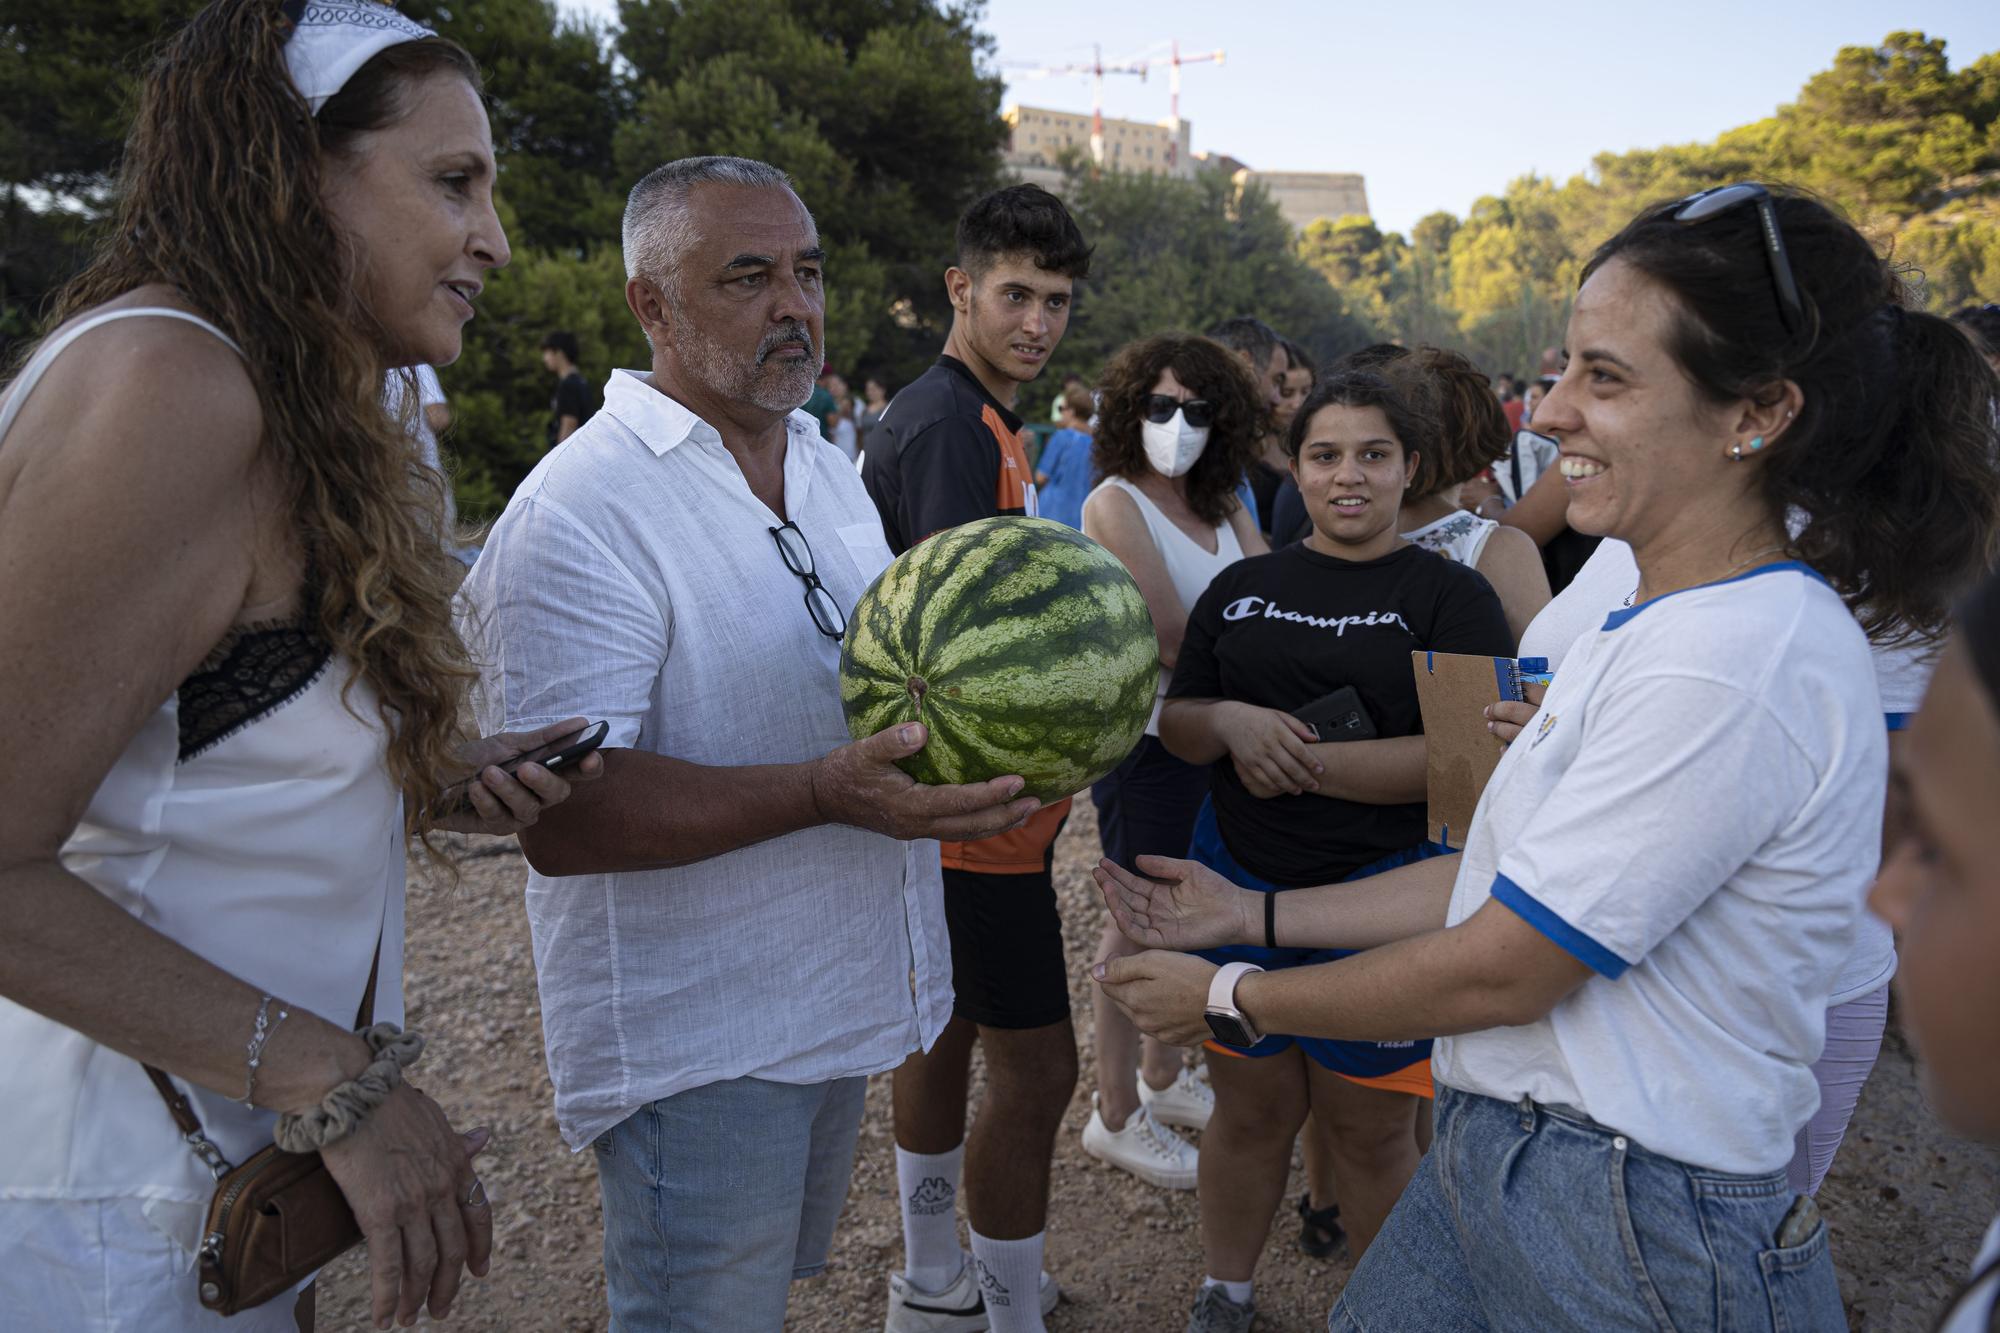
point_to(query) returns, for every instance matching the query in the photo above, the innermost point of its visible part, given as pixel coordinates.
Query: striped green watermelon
(1023, 645)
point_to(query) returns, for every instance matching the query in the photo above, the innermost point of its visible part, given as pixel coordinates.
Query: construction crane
(1174, 62)
(1097, 69)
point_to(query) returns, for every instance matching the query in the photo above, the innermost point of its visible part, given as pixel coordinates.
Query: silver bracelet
(254, 1052)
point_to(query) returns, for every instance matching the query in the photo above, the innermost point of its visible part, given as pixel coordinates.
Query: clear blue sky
(1438, 102)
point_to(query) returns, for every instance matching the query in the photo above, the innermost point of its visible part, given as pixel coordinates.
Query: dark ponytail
(1892, 460)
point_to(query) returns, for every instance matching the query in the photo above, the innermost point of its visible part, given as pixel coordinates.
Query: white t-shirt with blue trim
(1902, 674)
(1695, 816)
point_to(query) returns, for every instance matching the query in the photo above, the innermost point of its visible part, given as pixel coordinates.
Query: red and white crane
(1097, 69)
(1174, 62)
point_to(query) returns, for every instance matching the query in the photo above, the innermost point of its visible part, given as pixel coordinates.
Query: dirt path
(1906, 1202)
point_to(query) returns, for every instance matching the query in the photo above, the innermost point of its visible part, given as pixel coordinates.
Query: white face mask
(1173, 446)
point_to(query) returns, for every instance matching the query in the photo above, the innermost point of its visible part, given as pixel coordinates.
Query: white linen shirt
(634, 578)
(1694, 814)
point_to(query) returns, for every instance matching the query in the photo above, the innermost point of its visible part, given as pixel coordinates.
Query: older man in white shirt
(745, 919)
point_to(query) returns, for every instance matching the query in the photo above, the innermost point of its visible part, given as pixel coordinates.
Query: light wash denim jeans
(715, 1199)
(1532, 1217)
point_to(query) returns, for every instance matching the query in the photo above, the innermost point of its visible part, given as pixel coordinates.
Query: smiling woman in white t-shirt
(1628, 971)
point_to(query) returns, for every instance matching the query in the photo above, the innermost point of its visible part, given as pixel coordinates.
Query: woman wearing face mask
(1632, 959)
(224, 579)
(1323, 629)
(1177, 421)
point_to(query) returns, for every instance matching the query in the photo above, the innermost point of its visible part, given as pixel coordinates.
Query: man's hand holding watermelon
(859, 784)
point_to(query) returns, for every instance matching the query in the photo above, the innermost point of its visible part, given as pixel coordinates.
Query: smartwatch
(1225, 1020)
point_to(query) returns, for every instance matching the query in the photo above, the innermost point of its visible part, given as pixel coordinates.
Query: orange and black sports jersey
(947, 453)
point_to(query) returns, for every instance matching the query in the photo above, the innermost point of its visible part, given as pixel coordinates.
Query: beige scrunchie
(342, 1110)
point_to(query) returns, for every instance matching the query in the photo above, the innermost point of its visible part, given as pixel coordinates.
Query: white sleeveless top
(1190, 567)
(251, 819)
(1459, 537)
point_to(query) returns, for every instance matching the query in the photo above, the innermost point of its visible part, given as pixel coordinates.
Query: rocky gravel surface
(1907, 1203)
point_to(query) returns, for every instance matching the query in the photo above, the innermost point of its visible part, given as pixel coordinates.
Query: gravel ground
(1906, 1201)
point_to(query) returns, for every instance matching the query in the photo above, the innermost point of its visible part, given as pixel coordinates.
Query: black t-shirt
(572, 400)
(946, 452)
(1282, 630)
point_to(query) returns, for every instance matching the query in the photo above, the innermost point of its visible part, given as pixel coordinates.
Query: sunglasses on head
(1709, 203)
(1160, 409)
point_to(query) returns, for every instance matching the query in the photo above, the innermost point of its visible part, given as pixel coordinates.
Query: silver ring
(476, 1196)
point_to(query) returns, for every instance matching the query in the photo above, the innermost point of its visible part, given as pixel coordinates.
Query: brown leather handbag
(275, 1219)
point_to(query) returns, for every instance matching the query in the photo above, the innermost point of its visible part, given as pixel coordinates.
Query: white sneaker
(1188, 1101)
(959, 1308)
(1145, 1147)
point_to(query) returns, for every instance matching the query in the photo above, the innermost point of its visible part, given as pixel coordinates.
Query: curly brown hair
(1469, 428)
(1208, 370)
(219, 198)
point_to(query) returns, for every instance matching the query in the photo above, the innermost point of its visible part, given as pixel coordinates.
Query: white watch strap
(1222, 990)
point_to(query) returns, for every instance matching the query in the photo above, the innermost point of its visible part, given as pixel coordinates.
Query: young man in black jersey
(950, 452)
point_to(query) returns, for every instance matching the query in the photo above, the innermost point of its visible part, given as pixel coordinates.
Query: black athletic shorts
(1006, 948)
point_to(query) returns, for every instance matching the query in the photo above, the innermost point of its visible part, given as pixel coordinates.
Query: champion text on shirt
(1243, 608)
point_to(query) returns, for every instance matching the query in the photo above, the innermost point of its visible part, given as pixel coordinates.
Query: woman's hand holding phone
(512, 780)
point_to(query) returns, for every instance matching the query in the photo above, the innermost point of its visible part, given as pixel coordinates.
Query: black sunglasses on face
(1160, 409)
(1707, 204)
(798, 555)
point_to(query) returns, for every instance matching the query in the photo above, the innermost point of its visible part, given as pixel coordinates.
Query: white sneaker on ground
(959, 1308)
(1214, 1312)
(1187, 1102)
(1145, 1147)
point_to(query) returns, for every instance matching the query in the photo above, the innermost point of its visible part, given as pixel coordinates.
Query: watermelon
(1022, 644)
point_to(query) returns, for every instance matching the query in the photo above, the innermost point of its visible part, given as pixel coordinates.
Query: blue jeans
(1536, 1217)
(715, 1199)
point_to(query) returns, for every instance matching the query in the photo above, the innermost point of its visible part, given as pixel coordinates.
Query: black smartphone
(1339, 716)
(557, 755)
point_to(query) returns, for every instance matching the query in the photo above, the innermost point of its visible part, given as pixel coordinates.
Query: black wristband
(1270, 921)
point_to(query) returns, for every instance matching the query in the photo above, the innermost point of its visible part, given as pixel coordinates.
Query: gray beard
(774, 386)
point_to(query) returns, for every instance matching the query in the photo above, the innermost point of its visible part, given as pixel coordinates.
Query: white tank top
(252, 820)
(1459, 537)
(1188, 565)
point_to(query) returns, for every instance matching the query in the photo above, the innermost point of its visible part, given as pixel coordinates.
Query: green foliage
(875, 107)
(1910, 148)
(1176, 254)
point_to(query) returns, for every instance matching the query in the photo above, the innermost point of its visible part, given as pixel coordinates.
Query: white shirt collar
(662, 422)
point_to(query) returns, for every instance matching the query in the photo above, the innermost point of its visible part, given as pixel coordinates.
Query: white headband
(333, 38)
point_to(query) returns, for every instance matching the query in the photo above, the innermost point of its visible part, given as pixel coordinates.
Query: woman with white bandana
(226, 595)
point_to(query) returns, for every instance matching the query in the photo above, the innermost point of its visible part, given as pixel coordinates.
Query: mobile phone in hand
(557, 755)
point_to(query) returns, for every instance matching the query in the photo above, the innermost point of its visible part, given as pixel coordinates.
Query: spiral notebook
(1453, 689)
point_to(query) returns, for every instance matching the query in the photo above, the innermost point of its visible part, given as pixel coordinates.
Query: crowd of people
(1586, 1071)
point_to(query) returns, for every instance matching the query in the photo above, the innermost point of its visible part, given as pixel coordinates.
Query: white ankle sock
(928, 1183)
(1010, 1278)
(1235, 1291)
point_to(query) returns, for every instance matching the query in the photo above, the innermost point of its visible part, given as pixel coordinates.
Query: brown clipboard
(1460, 754)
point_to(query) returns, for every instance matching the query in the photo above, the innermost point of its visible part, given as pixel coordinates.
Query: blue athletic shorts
(1356, 1059)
